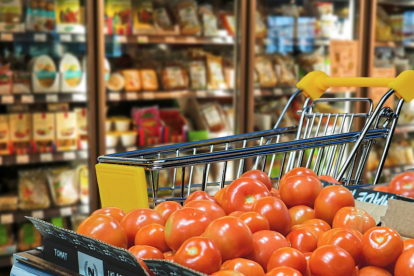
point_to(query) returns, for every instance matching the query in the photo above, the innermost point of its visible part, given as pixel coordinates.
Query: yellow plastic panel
(121, 186)
(403, 85)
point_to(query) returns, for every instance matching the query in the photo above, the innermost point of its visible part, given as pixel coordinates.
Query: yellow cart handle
(316, 83)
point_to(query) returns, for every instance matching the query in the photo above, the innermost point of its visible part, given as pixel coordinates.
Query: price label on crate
(69, 155)
(6, 219)
(131, 148)
(22, 159)
(114, 96)
(66, 211)
(40, 37)
(6, 37)
(142, 39)
(170, 39)
(52, 98)
(121, 39)
(38, 214)
(79, 97)
(27, 99)
(131, 96)
(46, 157)
(65, 38)
(9, 99)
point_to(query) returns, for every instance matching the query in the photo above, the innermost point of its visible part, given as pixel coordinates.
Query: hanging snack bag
(44, 132)
(264, 68)
(198, 74)
(174, 77)
(186, 13)
(66, 131)
(209, 20)
(20, 132)
(63, 186)
(215, 72)
(33, 192)
(118, 17)
(132, 80)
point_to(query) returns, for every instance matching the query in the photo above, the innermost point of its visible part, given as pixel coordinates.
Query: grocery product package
(198, 74)
(68, 12)
(264, 68)
(118, 17)
(11, 11)
(63, 185)
(82, 126)
(132, 80)
(4, 135)
(148, 123)
(187, 16)
(285, 70)
(143, 17)
(28, 237)
(82, 176)
(214, 117)
(33, 191)
(174, 76)
(215, 75)
(175, 126)
(7, 242)
(66, 131)
(209, 20)
(21, 132)
(43, 132)
(40, 15)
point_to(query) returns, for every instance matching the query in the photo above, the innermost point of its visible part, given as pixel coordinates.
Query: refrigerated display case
(47, 118)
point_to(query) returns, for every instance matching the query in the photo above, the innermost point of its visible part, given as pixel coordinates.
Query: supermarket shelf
(120, 149)
(397, 3)
(6, 261)
(9, 217)
(279, 91)
(316, 41)
(405, 129)
(35, 158)
(393, 44)
(44, 98)
(169, 39)
(42, 37)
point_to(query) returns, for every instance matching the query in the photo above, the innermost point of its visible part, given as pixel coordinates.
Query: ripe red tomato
(259, 175)
(300, 214)
(166, 208)
(353, 218)
(329, 260)
(381, 189)
(236, 214)
(200, 254)
(276, 212)
(242, 193)
(184, 224)
(405, 264)
(322, 240)
(227, 273)
(329, 179)
(219, 195)
(303, 240)
(152, 235)
(113, 212)
(373, 271)
(232, 236)
(212, 210)
(265, 242)
(381, 246)
(348, 241)
(255, 221)
(283, 271)
(170, 258)
(244, 266)
(104, 228)
(296, 171)
(200, 195)
(330, 200)
(300, 190)
(289, 257)
(402, 184)
(409, 243)
(275, 193)
(146, 252)
(138, 218)
(313, 228)
(320, 223)
(168, 254)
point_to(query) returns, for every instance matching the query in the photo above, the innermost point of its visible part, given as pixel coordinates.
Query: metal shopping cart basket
(324, 142)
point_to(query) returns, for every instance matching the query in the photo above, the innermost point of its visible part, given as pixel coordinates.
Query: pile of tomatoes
(402, 184)
(249, 228)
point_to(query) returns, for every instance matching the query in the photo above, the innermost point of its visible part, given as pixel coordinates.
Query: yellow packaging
(82, 127)
(68, 12)
(215, 73)
(4, 134)
(132, 80)
(44, 131)
(20, 132)
(149, 80)
(118, 17)
(143, 16)
(66, 131)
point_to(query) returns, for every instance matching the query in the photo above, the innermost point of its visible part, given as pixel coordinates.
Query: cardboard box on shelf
(20, 132)
(66, 131)
(44, 132)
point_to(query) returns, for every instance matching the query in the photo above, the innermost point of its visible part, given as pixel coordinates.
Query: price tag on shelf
(84, 209)
(6, 219)
(22, 159)
(397, 170)
(148, 95)
(110, 151)
(169, 39)
(257, 92)
(83, 154)
(46, 157)
(38, 214)
(121, 39)
(9, 99)
(52, 98)
(66, 211)
(40, 37)
(190, 39)
(65, 38)
(27, 99)
(201, 94)
(114, 96)
(142, 39)
(69, 155)
(80, 38)
(79, 97)
(131, 148)
(278, 91)
(131, 96)
(6, 37)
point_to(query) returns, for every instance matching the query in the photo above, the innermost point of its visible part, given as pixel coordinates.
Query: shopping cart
(324, 142)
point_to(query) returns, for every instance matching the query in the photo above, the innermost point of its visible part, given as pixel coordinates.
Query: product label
(175, 76)
(89, 265)
(20, 127)
(198, 75)
(210, 24)
(188, 17)
(4, 128)
(217, 74)
(43, 126)
(212, 116)
(162, 18)
(68, 11)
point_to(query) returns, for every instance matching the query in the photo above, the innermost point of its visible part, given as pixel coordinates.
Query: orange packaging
(149, 79)
(4, 134)
(132, 80)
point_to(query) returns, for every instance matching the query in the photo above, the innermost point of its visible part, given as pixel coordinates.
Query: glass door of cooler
(390, 53)
(293, 38)
(46, 109)
(170, 71)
